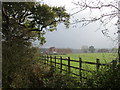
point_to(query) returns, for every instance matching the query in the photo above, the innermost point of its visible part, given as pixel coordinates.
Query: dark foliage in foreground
(107, 77)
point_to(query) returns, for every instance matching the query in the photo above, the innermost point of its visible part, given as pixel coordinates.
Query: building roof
(59, 50)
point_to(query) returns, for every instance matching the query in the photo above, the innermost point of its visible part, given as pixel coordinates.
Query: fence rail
(53, 61)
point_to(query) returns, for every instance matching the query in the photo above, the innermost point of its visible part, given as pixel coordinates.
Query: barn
(53, 50)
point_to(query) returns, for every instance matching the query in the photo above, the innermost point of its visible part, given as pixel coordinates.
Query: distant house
(103, 51)
(53, 50)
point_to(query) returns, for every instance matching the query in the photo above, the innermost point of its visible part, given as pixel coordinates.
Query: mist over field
(76, 36)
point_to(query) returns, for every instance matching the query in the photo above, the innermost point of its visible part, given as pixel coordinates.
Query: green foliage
(33, 19)
(107, 77)
(47, 78)
(23, 22)
(42, 76)
(89, 57)
(61, 81)
(16, 59)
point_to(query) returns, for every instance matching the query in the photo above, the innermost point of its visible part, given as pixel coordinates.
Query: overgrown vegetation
(22, 23)
(107, 77)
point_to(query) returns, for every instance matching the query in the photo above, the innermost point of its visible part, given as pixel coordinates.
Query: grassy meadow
(90, 57)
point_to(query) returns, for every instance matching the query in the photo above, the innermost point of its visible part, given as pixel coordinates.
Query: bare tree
(106, 12)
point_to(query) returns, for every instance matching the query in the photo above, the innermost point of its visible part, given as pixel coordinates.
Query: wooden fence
(52, 60)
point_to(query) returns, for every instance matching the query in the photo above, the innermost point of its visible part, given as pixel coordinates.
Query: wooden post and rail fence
(53, 61)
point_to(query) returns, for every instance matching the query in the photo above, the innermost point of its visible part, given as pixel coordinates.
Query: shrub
(60, 81)
(107, 77)
(51, 79)
(16, 64)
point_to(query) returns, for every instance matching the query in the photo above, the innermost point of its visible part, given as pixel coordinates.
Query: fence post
(69, 65)
(55, 61)
(80, 66)
(114, 62)
(42, 59)
(51, 60)
(47, 59)
(61, 64)
(97, 64)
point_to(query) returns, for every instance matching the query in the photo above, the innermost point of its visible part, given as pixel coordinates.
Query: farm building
(53, 50)
(103, 51)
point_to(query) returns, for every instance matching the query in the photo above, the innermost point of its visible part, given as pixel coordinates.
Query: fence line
(53, 62)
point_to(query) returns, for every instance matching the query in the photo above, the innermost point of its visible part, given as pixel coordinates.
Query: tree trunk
(119, 31)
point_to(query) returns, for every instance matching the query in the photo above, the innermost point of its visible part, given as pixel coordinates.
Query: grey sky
(76, 37)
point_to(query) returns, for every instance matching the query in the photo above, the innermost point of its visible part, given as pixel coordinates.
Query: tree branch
(41, 29)
(96, 19)
(84, 6)
(24, 16)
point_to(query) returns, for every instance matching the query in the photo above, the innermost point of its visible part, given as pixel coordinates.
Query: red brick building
(53, 50)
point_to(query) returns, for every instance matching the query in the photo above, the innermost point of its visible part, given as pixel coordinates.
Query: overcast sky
(76, 37)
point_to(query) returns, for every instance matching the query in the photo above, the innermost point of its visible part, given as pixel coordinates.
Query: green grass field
(90, 57)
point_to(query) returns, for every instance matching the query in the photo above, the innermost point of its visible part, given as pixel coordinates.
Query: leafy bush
(60, 81)
(51, 79)
(16, 64)
(107, 77)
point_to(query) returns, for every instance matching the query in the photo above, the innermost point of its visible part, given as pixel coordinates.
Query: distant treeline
(102, 50)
